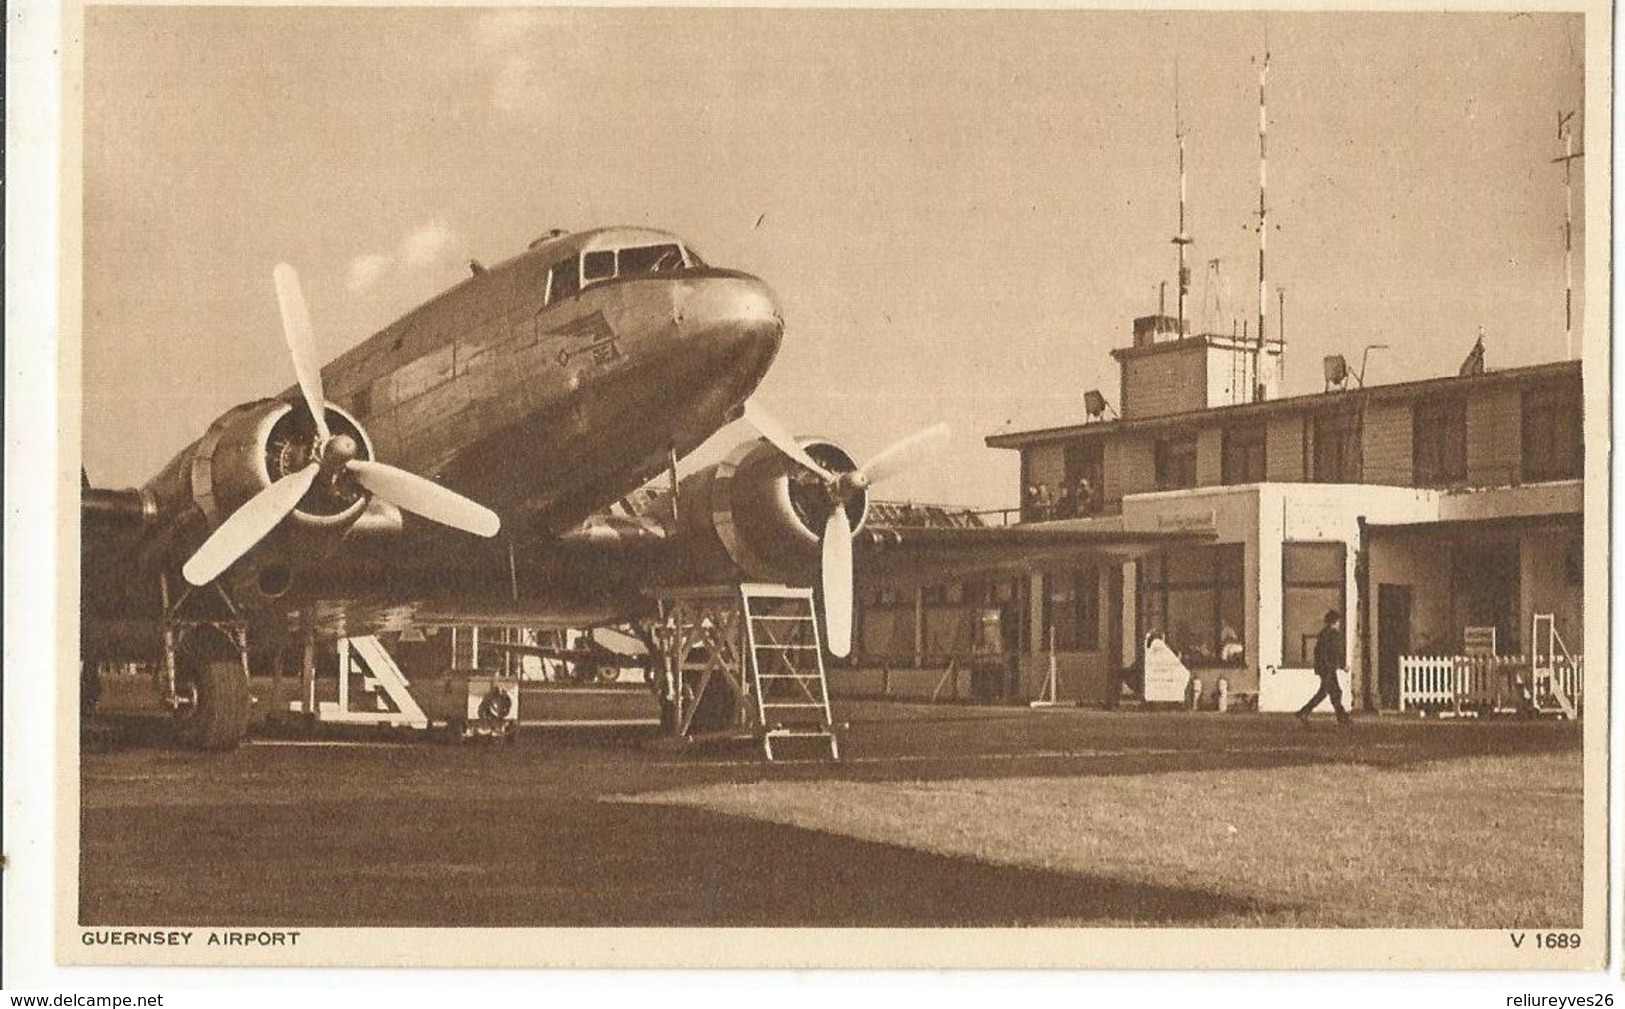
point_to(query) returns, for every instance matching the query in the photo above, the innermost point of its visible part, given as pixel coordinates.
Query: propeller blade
(838, 582)
(897, 457)
(424, 497)
(246, 526)
(301, 338)
(769, 427)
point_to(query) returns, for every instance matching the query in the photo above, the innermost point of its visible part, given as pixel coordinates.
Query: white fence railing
(1485, 682)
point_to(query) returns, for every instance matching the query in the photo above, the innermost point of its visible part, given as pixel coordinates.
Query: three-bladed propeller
(836, 543)
(331, 455)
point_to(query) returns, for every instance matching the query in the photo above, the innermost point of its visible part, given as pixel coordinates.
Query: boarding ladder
(379, 694)
(786, 662)
(1554, 673)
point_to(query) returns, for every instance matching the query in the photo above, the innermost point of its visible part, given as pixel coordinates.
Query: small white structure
(1166, 678)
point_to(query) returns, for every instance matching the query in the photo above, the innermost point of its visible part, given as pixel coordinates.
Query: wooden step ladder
(786, 662)
(1554, 672)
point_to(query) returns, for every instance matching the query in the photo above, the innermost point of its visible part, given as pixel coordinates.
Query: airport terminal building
(1442, 516)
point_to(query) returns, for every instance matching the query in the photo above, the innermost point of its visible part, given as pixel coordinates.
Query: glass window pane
(1232, 626)
(598, 265)
(1336, 447)
(1066, 631)
(1190, 567)
(1242, 460)
(1190, 630)
(650, 259)
(1175, 462)
(1303, 614)
(1086, 604)
(1312, 563)
(1553, 446)
(566, 280)
(1439, 442)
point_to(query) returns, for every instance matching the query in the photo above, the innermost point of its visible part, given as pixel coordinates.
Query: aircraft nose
(736, 309)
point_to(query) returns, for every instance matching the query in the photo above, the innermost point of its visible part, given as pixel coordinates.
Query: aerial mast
(1263, 214)
(1280, 341)
(1181, 239)
(1565, 133)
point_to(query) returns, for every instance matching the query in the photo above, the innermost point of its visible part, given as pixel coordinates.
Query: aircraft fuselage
(547, 403)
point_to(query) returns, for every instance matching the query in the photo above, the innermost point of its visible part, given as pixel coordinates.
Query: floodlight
(1336, 370)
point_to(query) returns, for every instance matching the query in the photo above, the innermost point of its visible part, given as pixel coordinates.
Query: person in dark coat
(1328, 660)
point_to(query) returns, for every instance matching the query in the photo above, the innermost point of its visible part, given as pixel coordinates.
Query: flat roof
(1309, 401)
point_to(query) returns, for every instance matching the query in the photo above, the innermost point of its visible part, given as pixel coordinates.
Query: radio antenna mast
(1565, 133)
(1280, 340)
(1263, 213)
(1181, 239)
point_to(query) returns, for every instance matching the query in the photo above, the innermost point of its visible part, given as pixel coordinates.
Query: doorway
(1486, 576)
(1393, 640)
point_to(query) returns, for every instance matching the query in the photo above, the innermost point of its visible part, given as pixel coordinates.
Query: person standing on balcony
(1045, 503)
(1328, 660)
(1085, 498)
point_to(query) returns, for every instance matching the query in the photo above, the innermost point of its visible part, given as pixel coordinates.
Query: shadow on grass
(576, 863)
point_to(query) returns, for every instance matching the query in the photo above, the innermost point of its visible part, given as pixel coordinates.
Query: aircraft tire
(218, 718)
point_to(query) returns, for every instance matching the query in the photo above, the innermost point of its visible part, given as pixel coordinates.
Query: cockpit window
(651, 259)
(597, 266)
(694, 260)
(605, 264)
(564, 280)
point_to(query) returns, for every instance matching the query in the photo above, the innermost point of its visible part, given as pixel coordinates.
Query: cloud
(367, 269)
(426, 246)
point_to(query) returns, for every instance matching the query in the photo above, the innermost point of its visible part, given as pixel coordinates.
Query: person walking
(1328, 660)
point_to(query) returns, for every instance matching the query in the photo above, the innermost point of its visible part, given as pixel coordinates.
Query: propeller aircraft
(472, 463)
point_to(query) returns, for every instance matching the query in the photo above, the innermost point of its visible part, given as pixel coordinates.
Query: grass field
(937, 816)
(1484, 842)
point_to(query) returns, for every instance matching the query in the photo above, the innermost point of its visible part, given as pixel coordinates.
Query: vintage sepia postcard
(786, 487)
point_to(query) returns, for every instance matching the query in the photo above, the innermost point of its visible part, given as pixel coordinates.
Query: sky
(962, 212)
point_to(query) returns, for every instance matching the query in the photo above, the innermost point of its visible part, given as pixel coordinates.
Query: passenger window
(597, 266)
(563, 280)
(651, 259)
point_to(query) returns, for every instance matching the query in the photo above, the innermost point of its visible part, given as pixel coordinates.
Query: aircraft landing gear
(204, 677)
(213, 704)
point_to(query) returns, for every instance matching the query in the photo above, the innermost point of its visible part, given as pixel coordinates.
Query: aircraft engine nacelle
(246, 450)
(761, 514)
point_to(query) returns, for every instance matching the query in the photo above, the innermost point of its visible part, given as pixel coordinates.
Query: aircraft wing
(610, 571)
